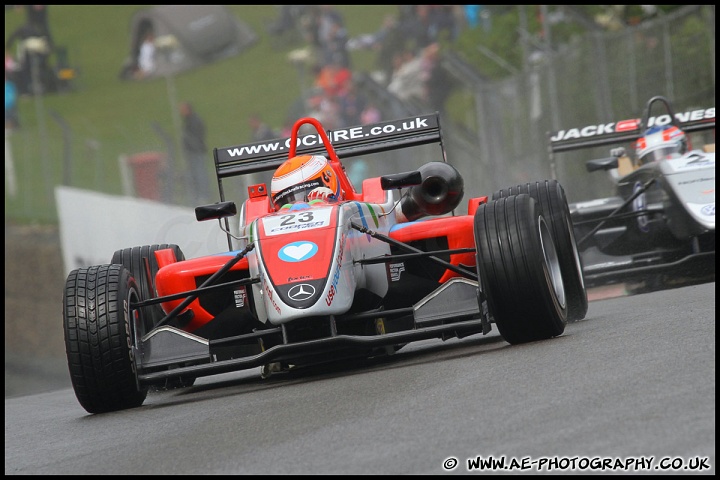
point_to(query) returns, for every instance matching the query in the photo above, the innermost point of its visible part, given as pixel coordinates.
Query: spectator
(332, 36)
(260, 130)
(334, 79)
(36, 25)
(37, 17)
(195, 152)
(410, 80)
(33, 46)
(352, 105)
(439, 83)
(370, 114)
(146, 56)
(328, 112)
(334, 48)
(286, 20)
(441, 23)
(407, 81)
(375, 40)
(11, 94)
(328, 19)
(415, 26)
(12, 68)
(472, 15)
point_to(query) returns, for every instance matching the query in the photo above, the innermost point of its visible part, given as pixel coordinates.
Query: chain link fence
(603, 77)
(500, 135)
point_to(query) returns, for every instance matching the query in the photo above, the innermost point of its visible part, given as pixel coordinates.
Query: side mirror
(601, 164)
(215, 211)
(400, 180)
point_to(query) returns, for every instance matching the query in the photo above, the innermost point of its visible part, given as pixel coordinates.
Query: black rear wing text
(626, 130)
(347, 142)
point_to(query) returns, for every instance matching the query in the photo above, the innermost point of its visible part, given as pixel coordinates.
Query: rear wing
(626, 130)
(347, 142)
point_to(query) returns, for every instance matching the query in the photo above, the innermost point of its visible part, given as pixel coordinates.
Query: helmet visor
(662, 153)
(296, 193)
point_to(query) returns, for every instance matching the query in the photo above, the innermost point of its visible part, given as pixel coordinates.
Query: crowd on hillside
(407, 47)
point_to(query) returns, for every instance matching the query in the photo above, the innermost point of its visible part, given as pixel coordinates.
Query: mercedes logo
(301, 292)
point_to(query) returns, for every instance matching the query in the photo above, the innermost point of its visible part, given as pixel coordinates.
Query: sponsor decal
(627, 125)
(297, 279)
(708, 210)
(395, 270)
(301, 292)
(585, 132)
(336, 137)
(630, 125)
(696, 180)
(240, 297)
(269, 292)
(336, 275)
(298, 251)
(692, 161)
(297, 221)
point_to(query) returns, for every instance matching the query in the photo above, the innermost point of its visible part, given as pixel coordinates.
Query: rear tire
(519, 270)
(99, 330)
(554, 207)
(134, 259)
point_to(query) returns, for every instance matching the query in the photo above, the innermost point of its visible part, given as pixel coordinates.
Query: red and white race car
(318, 281)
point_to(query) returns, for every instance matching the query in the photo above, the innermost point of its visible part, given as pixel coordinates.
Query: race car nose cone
(301, 295)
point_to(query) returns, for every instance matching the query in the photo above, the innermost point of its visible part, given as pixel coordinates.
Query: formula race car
(357, 273)
(659, 228)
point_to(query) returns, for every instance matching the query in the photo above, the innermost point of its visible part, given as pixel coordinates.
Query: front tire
(519, 270)
(554, 207)
(99, 331)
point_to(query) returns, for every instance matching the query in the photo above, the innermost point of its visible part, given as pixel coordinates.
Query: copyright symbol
(450, 463)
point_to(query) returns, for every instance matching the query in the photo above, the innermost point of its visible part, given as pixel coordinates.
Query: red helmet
(297, 177)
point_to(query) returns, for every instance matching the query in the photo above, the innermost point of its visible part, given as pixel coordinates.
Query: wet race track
(629, 389)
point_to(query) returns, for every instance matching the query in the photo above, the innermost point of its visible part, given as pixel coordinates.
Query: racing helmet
(294, 180)
(660, 142)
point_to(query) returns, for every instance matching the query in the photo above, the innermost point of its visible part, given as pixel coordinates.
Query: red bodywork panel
(459, 233)
(282, 271)
(180, 276)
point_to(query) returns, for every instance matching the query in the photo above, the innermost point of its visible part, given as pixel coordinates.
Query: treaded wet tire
(554, 207)
(519, 270)
(99, 334)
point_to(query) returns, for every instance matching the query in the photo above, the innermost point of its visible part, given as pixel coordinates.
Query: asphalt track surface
(632, 382)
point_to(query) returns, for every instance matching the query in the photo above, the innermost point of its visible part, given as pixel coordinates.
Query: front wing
(452, 310)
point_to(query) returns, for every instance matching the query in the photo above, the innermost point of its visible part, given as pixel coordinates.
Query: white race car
(660, 226)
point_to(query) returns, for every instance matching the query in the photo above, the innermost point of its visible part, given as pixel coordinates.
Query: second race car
(658, 230)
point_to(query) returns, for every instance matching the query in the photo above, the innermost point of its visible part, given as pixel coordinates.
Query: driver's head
(659, 143)
(294, 180)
